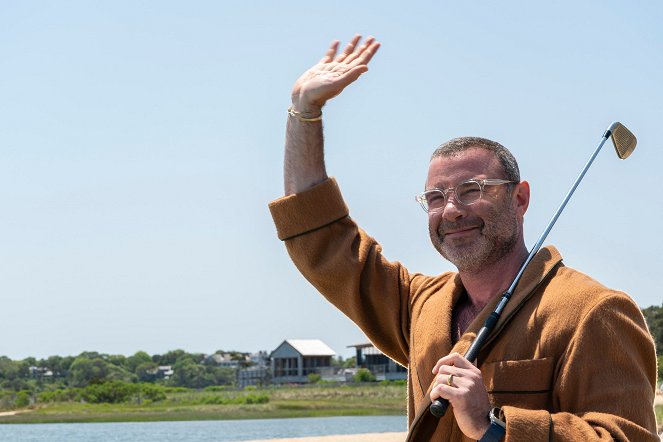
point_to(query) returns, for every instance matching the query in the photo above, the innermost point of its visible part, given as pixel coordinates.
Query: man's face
(474, 236)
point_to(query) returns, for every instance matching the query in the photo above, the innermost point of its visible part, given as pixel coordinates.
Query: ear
(520, 198)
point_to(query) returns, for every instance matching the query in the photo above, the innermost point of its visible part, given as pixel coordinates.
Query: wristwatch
(497, 427)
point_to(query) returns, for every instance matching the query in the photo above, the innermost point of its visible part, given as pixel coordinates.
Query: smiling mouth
(459, 232)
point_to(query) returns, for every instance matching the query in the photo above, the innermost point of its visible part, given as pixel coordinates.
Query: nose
(452, 209)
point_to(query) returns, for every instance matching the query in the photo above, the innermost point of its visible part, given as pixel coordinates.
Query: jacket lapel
(537, 271)
(433, 339)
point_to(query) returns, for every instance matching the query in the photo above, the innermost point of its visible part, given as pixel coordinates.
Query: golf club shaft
(439, 406)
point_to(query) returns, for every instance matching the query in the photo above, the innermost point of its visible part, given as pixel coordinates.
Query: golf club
(624, 142)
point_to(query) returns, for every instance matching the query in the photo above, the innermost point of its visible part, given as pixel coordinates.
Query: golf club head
(623, 140)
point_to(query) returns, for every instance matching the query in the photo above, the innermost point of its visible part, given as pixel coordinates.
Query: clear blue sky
(141, 142)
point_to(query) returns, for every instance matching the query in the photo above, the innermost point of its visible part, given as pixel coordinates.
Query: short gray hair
(457, 145)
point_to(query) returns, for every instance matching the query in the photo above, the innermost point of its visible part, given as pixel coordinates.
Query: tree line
(189, 370)
(654, 317)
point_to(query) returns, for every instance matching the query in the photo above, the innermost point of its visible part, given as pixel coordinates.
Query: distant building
(261, 358)
(255, 375)
(383, 368)
(228, 360)
(295, 359)
(160, 372)
(40, 372)
(164, 372)
(258, 373)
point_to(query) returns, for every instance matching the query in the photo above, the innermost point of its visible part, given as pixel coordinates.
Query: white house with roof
(295, 359)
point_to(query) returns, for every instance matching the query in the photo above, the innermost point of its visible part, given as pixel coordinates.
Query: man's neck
(494, 279)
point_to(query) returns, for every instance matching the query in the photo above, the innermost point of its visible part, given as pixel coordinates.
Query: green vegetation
(94, 378)
(216, 403)
(94, 387)
(191, 370)
(183, 386)
(363, 375)
(314, 378)
(654, 318)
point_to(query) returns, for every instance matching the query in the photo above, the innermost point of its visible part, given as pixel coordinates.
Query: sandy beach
(372, 437)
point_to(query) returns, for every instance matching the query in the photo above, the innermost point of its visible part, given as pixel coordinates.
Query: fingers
(365, 52)
(351, 54)
(455, 359)
(448, 386)
(452, 376)
(370, 52)
(349, 49)
(333, 73)
(331, 52)
(463, 386)
(453, 381)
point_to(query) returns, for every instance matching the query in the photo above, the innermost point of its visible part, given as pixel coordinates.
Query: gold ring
(450, 380)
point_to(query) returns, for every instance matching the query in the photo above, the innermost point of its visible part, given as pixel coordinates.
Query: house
(164, 372)
(228, 360)
(255, 375)
(295, 359)
(40, 372)
(261, 358)
(383, 368)
(160, 372)
(257, 372)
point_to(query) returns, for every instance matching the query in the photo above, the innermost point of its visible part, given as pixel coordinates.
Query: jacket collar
(537, 272)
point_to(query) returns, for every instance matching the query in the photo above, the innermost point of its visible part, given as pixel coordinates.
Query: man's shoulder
(574, 291)
(576, 281)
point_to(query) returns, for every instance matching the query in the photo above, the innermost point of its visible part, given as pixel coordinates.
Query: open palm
(332, 74)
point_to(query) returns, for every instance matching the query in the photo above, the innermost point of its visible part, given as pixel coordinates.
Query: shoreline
(365, 437)
(13, 412)
(28, 416)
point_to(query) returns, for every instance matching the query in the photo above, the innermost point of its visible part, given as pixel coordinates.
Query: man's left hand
(465, 392)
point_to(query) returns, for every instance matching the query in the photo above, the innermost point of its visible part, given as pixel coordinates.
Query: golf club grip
(439, 407)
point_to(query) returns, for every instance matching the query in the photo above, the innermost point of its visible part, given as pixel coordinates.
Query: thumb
(352, 75)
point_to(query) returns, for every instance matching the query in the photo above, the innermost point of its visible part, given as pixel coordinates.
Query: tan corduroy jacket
(569, 360)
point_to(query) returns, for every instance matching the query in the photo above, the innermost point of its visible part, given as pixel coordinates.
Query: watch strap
(497, 427)
(494, 434)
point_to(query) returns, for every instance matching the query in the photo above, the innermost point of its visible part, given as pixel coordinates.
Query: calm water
(201, 430)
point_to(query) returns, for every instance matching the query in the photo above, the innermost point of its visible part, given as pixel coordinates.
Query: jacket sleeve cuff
(530, 425)
(307, 211)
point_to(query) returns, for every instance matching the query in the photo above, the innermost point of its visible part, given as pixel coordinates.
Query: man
(568, 360)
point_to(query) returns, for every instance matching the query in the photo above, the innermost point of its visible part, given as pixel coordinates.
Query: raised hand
(331, 75)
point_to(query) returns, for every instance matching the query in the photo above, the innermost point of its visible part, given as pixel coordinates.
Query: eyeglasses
(467, 193)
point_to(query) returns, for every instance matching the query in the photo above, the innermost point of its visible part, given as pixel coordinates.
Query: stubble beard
(499, 237)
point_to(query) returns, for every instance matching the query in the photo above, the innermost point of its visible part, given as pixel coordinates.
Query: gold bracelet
(298, 115)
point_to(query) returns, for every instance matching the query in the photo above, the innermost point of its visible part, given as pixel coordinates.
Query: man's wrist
(484, 429)
(304, 117)
(497, 428)
(306, 110)
(303, 104)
